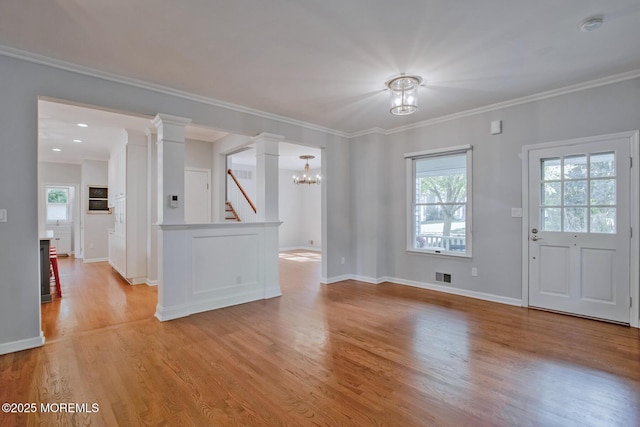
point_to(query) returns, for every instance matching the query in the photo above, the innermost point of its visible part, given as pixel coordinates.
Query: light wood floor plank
(349, 353)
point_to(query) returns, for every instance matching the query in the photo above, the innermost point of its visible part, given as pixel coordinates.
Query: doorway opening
(77, 214)
(300, 206)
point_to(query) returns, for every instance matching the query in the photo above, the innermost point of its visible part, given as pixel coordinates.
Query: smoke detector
(591, 24)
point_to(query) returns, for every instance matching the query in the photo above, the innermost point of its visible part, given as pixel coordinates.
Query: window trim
(67, 205)
(410, 159)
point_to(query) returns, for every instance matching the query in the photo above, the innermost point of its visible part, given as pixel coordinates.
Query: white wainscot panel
(211, 266)
(225, 264)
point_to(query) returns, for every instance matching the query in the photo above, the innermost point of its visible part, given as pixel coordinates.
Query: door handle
(534, 238)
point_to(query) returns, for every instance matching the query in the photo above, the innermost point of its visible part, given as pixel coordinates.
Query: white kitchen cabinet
(61, 238)
(118, 173)
(128, 240)
(111, 182)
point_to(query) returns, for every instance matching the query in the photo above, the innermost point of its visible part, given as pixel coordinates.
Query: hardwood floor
(349, 354)
(94, 297)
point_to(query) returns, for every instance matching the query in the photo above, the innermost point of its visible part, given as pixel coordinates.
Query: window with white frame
(58, 204)
(439, 201)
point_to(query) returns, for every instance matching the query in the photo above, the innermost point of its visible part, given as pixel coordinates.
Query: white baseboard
(301, 248)
(272, 293)
(367, 279)
(175, 312)
(351, 277)
(90, 260)
(225, 301)
(455, 291)
(330, 280)
(151, 282)
(137, 280)
(169, 313)
(430, 286)
(13, 346)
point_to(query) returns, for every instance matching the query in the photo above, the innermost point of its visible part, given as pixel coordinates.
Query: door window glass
(578, 193)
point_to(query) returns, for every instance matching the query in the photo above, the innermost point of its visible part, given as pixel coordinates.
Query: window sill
(447, 254)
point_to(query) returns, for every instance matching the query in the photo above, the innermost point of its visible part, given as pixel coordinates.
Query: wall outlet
(311, 242)
(342, 261)
(474, 271)
(3, 215)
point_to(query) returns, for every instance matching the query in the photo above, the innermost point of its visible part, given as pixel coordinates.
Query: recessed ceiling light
(83, 125)
(591, 24)
(77, 140)
(56, 149)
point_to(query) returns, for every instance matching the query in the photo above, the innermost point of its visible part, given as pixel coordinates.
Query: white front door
(197, 199)
(579, 228)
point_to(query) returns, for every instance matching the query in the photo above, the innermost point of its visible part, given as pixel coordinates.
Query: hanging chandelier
(306, 176)
(404, 94)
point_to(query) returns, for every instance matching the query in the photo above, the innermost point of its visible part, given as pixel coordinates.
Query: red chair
(53, 260)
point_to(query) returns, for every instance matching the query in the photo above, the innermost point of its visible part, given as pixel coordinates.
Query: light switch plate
(516, 212)
(496, 127)
(3, 215)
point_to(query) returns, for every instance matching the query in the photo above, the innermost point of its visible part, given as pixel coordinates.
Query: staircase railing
(244, 207)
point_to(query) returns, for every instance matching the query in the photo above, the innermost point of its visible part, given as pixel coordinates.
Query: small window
(439, 202)
(58, 202)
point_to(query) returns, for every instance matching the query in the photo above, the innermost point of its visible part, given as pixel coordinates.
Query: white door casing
(580, 202)
(197, 196)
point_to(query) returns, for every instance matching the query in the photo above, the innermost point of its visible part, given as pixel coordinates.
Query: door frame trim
(634, 213)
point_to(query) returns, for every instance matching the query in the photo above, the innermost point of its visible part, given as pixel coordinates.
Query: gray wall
(21, 84)
(197, 154)
(378, 212)
(300, 212)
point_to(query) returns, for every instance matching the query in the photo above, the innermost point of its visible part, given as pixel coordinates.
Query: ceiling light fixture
(56, 149)
(83, 125)
(404, 94)
(77, 140)
(306, 177)
(591, 24)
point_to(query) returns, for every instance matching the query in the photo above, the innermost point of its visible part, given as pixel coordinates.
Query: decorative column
(152, 207)
(267, 176)
(171, 135)
(173, 296)
(267, 204)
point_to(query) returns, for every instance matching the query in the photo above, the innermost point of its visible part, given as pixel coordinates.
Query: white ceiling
(58, 128)
(325, 62)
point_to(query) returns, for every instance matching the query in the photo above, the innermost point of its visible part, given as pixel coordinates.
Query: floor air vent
(443, 277)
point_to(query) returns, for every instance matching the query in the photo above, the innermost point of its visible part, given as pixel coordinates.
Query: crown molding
(372, 131)
(616, 78)
(92, 72)
(79, 69)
